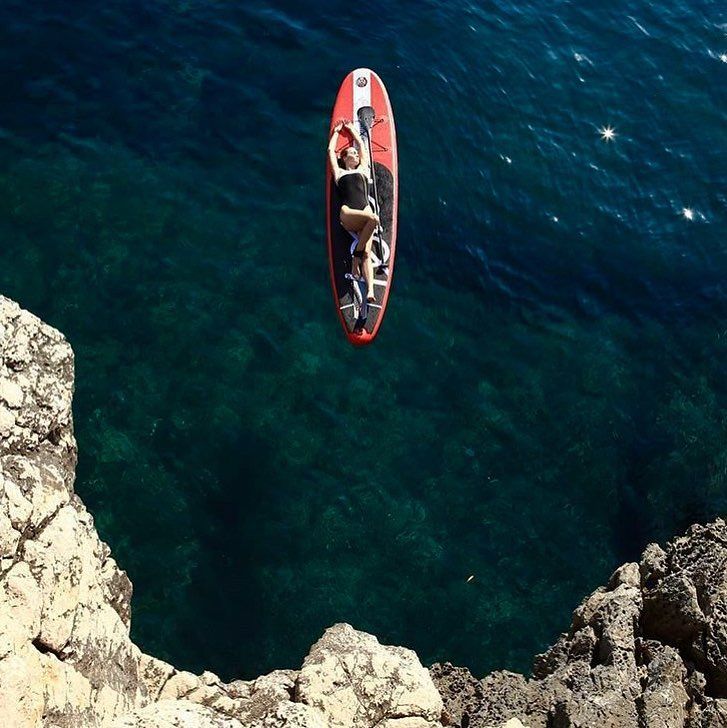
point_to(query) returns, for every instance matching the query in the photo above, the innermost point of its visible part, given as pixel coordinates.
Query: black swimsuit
(353, 187)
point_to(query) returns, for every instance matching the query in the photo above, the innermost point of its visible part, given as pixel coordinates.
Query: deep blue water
(547, 393)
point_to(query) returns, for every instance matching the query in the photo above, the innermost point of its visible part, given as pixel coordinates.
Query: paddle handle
(376, 197)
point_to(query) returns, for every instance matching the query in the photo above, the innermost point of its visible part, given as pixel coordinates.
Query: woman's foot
(370, 298)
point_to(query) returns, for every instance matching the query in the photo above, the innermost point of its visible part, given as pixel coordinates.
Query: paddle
(366, 116)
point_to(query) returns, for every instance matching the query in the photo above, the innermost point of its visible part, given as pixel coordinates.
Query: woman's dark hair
(343, 154)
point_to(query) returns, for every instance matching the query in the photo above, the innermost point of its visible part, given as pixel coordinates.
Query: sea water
(546, 395)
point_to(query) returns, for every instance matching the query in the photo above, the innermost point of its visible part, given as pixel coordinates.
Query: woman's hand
(354, 131)
(334, 138)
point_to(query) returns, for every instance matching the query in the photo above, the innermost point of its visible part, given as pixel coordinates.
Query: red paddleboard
(361, 320)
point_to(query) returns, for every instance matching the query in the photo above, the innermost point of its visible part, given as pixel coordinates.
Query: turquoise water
(547, 393)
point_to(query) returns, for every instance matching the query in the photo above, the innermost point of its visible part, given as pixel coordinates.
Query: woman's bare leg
(369, 274)
(355, 220)
(366, 233)
(365, 239)
(362, 222)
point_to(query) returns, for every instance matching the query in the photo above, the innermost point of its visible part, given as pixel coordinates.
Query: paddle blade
(366, 116)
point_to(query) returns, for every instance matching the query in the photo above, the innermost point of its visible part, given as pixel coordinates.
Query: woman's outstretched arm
(363, 149)
(332, 151)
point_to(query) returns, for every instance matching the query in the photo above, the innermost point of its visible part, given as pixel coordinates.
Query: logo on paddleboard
(361, 81)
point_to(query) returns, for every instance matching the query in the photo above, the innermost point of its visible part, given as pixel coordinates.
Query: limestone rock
(462, 694)
(291, 715)
(664, 700)
(36, 372)
(65, 652)
(268, 698)
(358, 683)
(714, 714)
(500, 697)
(648, 649)
(66, 658)
(177, 713)
(685, 604)
(11, 393)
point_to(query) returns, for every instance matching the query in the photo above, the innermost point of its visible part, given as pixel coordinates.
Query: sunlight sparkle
(608, 133)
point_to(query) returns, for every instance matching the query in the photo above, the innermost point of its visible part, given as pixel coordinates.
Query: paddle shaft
(366, 120)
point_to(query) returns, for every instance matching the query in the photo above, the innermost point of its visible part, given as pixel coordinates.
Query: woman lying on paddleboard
(352, 175)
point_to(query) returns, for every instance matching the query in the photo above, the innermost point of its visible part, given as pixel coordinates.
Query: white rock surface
(11, 393)
(178, 713)
(357, 683)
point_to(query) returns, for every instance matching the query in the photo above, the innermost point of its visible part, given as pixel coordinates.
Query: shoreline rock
(647, 650)
(66, 657)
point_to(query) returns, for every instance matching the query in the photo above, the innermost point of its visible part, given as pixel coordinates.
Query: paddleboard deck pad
(361, 320)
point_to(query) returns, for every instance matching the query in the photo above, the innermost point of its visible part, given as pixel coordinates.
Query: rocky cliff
(647, 650)
(66, 658)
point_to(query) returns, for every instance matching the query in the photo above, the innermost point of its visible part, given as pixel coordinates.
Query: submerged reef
(648, 649)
